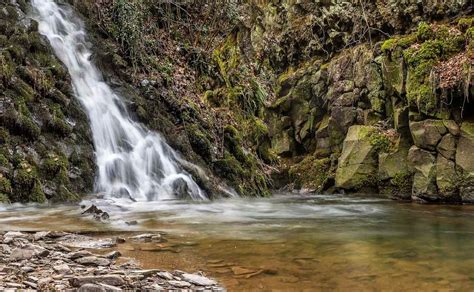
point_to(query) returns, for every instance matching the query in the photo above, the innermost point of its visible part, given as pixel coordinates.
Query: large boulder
(357, 166)
(424, 182)
(465, 161)
(427, 134)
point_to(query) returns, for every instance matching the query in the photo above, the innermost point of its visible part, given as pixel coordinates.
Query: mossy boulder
(312, 173)
(394, 173)
(357, 167)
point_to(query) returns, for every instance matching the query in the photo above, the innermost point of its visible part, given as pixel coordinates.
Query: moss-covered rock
(358, 162)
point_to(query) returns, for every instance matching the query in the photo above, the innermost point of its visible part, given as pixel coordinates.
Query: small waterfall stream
(132, 161)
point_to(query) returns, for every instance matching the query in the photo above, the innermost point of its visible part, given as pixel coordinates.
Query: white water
(132, 161)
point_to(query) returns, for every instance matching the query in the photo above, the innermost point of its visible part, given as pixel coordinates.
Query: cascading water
(132, 161)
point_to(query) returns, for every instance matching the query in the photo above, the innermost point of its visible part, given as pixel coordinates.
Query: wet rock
(241, 271)
(198, 280)
(146, 237)
(113, 255)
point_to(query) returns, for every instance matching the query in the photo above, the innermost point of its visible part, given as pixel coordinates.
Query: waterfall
(133, 162)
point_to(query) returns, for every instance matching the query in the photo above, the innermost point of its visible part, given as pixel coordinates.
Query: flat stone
(241, 271)
(14, 234)
(40, 235)
(146, 236)
(91, 288)
(30, 284)
(63, 269)
(19, 254)
(179, 284)
(165, 275)
(198, 280)
(112, 280)
(79, 254)
(93, 261)
(27, 269)
(14, 285)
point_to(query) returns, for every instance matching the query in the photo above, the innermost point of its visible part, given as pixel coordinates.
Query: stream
(287, 242)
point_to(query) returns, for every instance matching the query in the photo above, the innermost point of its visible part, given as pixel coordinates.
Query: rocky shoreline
(65, 261)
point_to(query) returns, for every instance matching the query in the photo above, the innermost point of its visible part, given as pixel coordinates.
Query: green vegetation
(311, 173)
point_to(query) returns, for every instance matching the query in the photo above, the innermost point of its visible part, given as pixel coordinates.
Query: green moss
(24, 178)
(5, 185)
(266, 153)
(4, 199)
(398, 42)
(403, 182)
(54, 164)
(7, 68)
(4, 136)
(199, 142)
(37, 194)
(424, 31)
(58, 122)
(228, 167)
(29, 128)
(64, 195)
(366, 182)
(24, 90)
(17, 52)
(233, 142)
(3, 160)
(465, 23)
(381, 142)
(227, 58)
(311, 173)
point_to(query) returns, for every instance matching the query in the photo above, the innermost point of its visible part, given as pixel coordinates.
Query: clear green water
(300, 242)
